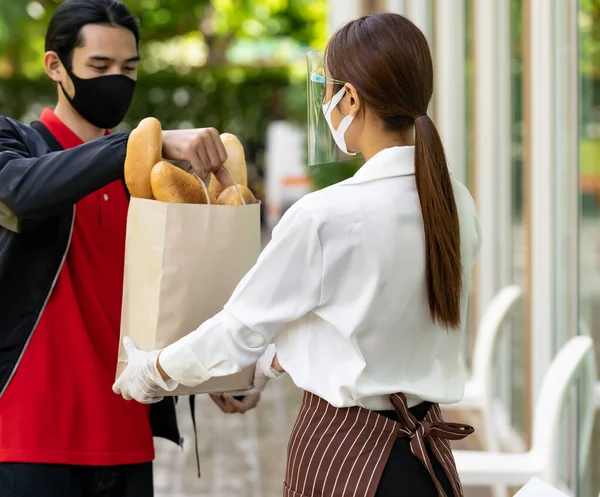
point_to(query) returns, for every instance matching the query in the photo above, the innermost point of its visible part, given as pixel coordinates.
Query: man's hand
(141, 379)
(266, 368)
(230, 405)
(258, 384)
(223, 402)
(202, 148)
(246, 404)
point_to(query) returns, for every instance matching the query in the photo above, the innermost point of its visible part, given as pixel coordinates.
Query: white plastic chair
(587, 424)
(479, 388)
(494, 468)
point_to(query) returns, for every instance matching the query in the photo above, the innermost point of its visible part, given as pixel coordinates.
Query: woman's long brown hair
(387, 58)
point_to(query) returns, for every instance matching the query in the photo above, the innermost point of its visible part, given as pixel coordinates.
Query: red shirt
(60, 407)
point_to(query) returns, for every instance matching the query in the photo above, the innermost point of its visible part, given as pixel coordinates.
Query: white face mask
(340, 133)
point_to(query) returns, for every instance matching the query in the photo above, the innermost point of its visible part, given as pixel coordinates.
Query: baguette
(230, 196)
(172, 184)
(144, 150)
(235, 164)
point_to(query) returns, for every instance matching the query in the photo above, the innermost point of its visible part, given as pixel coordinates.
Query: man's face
(106, 50)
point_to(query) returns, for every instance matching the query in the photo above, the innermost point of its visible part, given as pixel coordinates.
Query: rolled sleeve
(283, 286)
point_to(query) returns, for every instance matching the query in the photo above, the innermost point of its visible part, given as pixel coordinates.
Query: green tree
(219, 22)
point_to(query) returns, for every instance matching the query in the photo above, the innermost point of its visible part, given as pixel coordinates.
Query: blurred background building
(517, 103)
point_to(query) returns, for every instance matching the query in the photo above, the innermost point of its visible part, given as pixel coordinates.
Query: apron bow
(420, 434)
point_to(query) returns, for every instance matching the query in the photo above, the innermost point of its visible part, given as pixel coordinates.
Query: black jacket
(39, 186)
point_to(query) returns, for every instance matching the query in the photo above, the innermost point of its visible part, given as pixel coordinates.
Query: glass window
(589, 189)
(469, 81)
(518, 353)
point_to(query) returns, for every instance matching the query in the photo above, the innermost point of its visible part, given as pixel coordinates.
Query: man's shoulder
(13, 131)
(8, 123)
(10, 126)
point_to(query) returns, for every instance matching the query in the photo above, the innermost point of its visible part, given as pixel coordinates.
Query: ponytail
(385, 55)
(441, 225)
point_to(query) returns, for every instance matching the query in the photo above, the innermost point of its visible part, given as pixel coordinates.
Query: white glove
(263, 372)
(141, 379)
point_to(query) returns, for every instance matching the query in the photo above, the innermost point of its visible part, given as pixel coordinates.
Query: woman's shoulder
(465, 203)
(469, 220)
(328, 204)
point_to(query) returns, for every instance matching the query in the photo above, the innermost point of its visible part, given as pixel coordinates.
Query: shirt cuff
(182, 365)
(265, 362)
(168, 385)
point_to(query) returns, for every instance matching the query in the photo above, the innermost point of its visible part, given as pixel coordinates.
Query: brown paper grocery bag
(182, 263)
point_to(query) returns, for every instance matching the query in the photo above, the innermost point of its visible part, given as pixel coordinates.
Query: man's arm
(33, 188)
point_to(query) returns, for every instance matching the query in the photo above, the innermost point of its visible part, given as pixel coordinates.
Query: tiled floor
(241, 456)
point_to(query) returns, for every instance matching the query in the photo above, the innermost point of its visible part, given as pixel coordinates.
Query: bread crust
(230, 196)
(235, 164)
(144, 150)
(172, 184)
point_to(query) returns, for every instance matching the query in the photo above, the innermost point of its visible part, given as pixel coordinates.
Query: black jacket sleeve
(36, 184)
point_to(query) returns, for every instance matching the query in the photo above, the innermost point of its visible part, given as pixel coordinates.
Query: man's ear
(353, 99)
(53, 66)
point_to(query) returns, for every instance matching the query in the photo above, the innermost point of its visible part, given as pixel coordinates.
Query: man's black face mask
(101, 101)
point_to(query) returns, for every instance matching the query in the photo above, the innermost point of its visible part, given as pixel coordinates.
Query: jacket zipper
(62, 262)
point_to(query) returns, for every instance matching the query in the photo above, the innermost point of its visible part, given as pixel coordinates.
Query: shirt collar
(390, 162)
(63, 134)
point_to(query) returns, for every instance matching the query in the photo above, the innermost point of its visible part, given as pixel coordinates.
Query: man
(63, 209)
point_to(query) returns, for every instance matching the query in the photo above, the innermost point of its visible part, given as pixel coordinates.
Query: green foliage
(589, 39)
(218, 22)
(12, 12)
(302, 20)
(329, 174)
(164, 19)
(589, 152)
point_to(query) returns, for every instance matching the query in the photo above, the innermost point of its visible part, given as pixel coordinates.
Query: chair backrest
(587, 417)
(587, 404)
(561, 375)
(488, 332)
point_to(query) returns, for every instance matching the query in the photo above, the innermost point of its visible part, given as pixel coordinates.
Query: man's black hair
(64, 31)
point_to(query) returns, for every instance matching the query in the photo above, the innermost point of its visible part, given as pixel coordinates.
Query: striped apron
(342, 452)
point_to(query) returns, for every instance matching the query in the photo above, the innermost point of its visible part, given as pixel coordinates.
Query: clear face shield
(324, 94)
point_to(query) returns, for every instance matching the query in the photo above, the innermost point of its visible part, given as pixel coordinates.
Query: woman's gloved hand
(142, 379)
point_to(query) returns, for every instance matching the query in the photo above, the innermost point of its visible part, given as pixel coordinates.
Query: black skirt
(404, 475)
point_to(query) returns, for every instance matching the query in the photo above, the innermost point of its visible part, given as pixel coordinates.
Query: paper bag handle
(233, 183)
(203, 187)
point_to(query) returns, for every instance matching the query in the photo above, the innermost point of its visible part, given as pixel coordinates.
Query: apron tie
(422, 430)
(437, 436)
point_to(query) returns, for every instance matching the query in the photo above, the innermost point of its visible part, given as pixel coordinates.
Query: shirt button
(106, 197)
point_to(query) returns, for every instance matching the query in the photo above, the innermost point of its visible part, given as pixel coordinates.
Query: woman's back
(372, 333)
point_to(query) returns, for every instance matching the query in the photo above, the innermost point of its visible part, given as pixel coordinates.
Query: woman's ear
(352, 99)
(53, 66)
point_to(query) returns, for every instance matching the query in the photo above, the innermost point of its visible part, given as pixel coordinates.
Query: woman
(362, 291)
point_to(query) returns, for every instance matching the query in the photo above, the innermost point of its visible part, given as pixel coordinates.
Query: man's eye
(133, 68)
(100, 68)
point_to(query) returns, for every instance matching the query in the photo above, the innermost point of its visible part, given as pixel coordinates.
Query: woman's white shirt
(340, 291)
